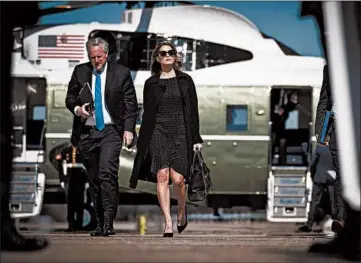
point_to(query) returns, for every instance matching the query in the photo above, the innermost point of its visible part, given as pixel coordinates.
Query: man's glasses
(164, 53)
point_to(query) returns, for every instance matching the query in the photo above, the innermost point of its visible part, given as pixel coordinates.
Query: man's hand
(326, 143)
(197, 146)
(82, 112)
(127, 138)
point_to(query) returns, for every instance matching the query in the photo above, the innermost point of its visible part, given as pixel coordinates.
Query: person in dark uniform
(347, 241)
(323, 177)
(326, 104)
(72, 176)
(170, 127)
(285, 102)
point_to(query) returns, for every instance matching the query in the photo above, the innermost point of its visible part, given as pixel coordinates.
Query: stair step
(290, 201)
(290, 191)
(289, 168)
(22, 198)
(22, 188)
(24, 178)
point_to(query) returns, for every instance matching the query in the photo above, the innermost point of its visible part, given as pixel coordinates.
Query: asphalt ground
(200, 242)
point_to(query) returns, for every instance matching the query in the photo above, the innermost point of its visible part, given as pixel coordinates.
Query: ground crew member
(323, 177)
(72, 176)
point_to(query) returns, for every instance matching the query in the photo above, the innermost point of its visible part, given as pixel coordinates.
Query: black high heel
(181, 228)
(167, 234)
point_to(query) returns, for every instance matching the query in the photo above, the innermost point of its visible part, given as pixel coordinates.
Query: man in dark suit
(99, 133)
(326, 104)
(72, 178)
(323, 176)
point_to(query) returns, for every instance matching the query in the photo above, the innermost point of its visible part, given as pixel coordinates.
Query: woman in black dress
(169, 132)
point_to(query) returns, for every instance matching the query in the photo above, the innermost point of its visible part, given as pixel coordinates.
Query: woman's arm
(194, 112)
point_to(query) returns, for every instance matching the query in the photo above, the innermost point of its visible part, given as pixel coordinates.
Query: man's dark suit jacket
(321, 164)
(120, 98)
(325, 100)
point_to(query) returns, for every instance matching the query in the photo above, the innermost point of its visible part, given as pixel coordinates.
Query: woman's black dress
(168, 147)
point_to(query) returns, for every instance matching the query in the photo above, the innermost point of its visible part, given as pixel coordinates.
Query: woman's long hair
(155, 66)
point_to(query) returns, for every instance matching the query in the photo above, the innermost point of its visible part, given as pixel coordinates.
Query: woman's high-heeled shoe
(167, 234)
(181, 228)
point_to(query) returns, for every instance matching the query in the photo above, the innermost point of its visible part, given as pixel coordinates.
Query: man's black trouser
(340, 205)
(317, 192)
(100, 151)
(343, 211)
(75, 190)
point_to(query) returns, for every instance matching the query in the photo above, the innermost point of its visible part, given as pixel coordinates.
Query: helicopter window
(237, 118)
(39, 113)
(58, 98)
(211, 54)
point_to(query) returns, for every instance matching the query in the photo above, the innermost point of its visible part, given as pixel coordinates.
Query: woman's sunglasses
(164, 53)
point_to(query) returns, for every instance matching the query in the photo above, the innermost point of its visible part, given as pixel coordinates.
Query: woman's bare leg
(164, 197)
(180, 192)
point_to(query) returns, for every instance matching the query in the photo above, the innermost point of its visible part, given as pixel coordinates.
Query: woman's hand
(197, 146)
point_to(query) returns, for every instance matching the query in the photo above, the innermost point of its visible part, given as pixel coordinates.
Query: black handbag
(200, 182)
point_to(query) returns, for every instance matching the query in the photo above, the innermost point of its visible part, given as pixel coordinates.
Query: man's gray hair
(96, 41)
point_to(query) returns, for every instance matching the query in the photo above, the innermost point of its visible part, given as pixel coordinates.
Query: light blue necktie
(99, 118)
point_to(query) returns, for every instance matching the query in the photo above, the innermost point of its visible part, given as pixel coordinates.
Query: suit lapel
(157, 87)
(109, 78)
(88, 75)
(182, 82)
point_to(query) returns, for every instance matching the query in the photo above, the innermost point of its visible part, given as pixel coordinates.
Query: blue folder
(325, 125)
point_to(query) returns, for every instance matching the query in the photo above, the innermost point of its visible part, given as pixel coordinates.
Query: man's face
(97, 57)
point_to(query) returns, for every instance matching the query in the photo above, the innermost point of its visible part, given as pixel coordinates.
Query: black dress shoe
(338, 226)
(16, 242)
(109, 230)
(71, 228)
(305, 228)
(349, 250)
(181, 228)
(97, 232)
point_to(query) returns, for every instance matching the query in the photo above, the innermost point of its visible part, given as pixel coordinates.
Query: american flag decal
(61, 46)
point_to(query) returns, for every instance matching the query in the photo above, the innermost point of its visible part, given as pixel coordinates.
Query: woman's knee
(163, 176)
(178, 179)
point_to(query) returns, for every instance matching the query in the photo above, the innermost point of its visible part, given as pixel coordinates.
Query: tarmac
(200, 242)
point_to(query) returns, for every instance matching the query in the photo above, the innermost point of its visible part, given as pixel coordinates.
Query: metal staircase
(289, 194)
(27, 191)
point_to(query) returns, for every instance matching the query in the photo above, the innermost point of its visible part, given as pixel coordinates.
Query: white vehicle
(29, 111)
(237, 70)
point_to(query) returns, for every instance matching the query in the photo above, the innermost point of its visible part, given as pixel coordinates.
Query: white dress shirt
(91, 119)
